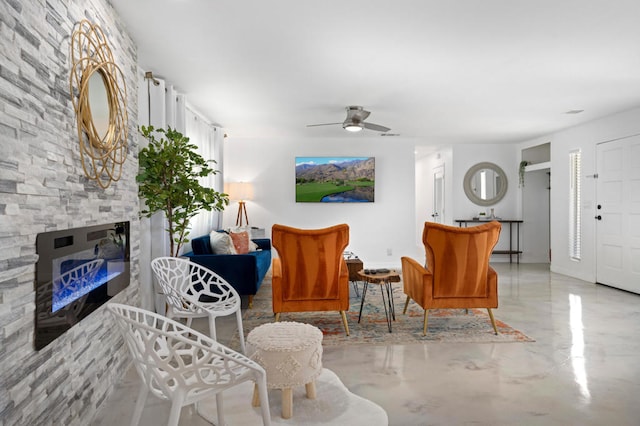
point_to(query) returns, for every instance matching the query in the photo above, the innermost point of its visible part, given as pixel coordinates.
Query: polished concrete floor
(583, 368)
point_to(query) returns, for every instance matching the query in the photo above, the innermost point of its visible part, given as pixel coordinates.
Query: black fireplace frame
(51, 247)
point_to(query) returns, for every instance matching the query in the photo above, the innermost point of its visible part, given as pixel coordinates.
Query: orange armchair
(458, 274)
(310, 273)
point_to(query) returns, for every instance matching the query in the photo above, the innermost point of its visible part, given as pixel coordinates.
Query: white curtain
(153, 103)
(161, 105)
(209, 140)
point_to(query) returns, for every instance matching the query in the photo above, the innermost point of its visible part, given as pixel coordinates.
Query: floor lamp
(241, 192)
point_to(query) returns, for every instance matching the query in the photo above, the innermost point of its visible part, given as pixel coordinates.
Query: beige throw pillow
(221, 243)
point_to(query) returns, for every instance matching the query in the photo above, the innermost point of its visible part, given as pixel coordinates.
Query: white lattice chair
(184, 366)
(193, 291)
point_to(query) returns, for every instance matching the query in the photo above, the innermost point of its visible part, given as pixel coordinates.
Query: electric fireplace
(78, 270)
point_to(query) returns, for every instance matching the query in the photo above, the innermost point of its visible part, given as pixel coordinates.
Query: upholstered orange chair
(458, 274)
(310, 273)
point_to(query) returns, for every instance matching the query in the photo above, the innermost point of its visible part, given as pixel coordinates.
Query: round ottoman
(291, 354)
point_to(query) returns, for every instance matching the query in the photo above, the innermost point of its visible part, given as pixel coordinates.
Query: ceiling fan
(355, 121)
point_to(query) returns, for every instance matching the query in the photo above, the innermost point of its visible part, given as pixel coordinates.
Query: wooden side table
(384, 280)
(354, 266)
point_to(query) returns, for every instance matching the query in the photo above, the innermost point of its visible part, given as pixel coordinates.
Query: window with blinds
(575, 227)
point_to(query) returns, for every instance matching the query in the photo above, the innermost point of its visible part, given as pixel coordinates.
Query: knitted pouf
(291, 354)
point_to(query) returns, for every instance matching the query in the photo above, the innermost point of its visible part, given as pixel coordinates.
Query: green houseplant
(168, 181)
(521, 170)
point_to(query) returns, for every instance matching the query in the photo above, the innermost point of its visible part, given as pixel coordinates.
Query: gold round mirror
(485, 184)
(99, 94)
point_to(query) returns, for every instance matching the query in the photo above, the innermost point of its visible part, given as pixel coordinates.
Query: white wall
(403, 185)
(387, 223)
(584, 137)
(403, 197)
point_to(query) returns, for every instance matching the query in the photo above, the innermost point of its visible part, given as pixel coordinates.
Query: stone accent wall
(43, 188)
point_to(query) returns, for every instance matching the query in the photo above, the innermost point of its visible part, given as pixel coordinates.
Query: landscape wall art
(335, 179)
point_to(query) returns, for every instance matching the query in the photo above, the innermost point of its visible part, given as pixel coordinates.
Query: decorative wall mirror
(99, 103)
(99, 94)
(485, 184)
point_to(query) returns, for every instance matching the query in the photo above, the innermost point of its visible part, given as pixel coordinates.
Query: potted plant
(168, 180)
(523, 165)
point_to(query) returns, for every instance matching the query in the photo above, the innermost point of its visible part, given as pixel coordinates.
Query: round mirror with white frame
(485, 184)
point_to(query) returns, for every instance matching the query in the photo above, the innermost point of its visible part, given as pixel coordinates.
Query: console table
(511, 251)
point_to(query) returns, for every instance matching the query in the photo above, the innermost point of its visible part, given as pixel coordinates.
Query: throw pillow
(221, 243)
(240, 241)
(238, 229)
(253, 246)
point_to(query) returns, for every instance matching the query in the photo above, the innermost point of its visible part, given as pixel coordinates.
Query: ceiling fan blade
(376, 127)
(325, 124)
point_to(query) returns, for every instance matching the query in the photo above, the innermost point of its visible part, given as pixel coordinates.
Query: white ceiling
(442, 71)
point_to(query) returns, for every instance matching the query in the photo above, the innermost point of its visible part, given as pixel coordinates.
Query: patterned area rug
(445, 325)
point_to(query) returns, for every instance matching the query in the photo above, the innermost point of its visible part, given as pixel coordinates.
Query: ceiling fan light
(352, 127)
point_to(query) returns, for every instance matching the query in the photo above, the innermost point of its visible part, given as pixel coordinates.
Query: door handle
(434, 215)
(599, 217)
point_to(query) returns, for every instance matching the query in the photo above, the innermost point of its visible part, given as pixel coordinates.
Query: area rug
(445, 325)
(333, 405)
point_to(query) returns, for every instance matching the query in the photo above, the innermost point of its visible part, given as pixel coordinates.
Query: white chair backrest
(185, 283)
(171, 274)
(171, 357)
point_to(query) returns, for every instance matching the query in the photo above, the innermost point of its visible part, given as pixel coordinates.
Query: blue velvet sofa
(244, 272)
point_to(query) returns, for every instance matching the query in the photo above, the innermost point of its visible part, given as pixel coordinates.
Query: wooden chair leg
(344, 322)
(251, 301)
(255, 401)
(277, 316)
(311, 389)
(406, 305)
(287, 403)
(493, 321)
(424, 329)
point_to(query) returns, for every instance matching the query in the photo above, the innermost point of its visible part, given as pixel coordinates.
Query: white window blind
(575, 227)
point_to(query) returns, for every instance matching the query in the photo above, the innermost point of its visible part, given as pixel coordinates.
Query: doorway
(438, 194)
(536, 217)
(618, 214)
(536, 204)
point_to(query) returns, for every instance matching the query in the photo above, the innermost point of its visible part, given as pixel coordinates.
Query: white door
(438, 194)
(618, 214)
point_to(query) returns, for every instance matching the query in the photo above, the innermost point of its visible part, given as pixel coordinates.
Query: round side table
(384, 279)
(291, 354)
